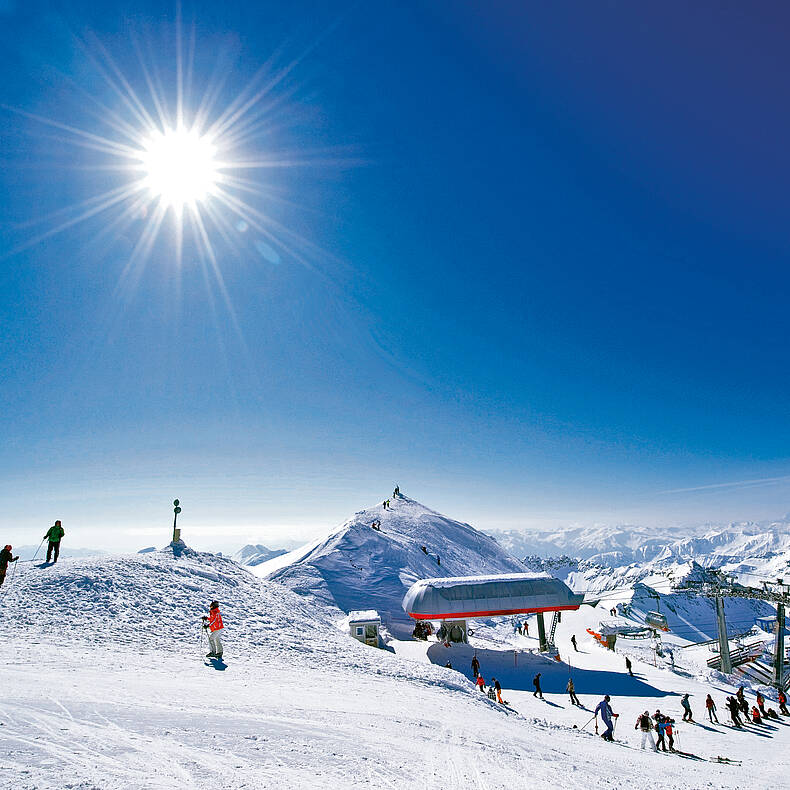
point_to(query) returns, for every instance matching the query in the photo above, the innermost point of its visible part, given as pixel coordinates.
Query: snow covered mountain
(255, 554)
(358, 567)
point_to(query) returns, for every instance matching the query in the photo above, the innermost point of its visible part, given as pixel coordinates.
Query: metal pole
(780, 641)
(724, 644)
(543, 644)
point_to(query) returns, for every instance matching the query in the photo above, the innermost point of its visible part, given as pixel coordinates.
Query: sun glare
(179, 167)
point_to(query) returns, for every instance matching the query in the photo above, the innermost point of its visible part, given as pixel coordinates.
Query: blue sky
(531, 264)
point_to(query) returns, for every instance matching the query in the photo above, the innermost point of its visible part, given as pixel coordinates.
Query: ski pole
(38, 549)
(589, 720)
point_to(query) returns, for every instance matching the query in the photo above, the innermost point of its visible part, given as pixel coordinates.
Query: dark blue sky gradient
(552, 280)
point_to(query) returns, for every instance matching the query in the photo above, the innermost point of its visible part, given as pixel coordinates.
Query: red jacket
(214, 620)
(480, 681)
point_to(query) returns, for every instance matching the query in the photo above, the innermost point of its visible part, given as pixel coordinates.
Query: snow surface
(105, 686)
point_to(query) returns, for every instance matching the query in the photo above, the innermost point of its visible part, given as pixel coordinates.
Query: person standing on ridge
(605, 709)
(573, 642)
(214, 625)
(572, 693)
(628, 666)
(54, 535)
(396, 492)
(536, 684)
(475, 666)
(6, 556)
(711, 708)
(643, 723)
(686, 705)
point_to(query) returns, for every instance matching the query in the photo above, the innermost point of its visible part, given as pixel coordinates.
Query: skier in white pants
(214, 625)
(643, 723)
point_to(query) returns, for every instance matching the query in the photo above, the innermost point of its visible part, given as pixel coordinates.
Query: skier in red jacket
(214, 625)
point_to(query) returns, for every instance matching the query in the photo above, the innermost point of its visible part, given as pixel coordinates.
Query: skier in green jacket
(54, 535)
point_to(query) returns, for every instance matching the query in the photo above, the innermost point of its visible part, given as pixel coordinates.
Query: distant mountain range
(256, 553)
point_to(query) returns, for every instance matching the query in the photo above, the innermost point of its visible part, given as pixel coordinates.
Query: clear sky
(528, 260)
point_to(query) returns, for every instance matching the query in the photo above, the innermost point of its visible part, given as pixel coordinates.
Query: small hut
(365, 626)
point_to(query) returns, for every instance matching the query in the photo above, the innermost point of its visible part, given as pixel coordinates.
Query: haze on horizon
(529, 265)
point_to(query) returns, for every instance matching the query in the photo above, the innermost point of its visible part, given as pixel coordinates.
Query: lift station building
(454, 600)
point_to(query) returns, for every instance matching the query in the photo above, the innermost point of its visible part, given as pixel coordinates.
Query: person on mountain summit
(396, 492)
(214, 625)
(6, 556)
(54, 535)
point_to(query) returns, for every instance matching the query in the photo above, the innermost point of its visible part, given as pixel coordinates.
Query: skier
(384, 504)
(6, 556)
(743, 705)
(668, 732)
(783, 703)
(756, 715)
(438, 560)
(732, 704)
(214, 625)
(480, 683)
(526, 628)
(54, 534)
(686, 705)
(572, 693)
(643, 723)
(711, 706)
(396, 492)
(761, 704)
(605, 709)
(498, 692)
(475, 666)
(536, 684)
(628, 666)
(660, 732)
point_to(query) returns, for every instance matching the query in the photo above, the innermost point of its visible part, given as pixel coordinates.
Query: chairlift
(657, 620)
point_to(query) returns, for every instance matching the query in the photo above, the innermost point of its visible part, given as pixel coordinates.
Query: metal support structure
(724, 642)
(544, 645)
(779, 661)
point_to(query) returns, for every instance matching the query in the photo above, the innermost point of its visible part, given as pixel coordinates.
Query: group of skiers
(663, 725)
(54, 535)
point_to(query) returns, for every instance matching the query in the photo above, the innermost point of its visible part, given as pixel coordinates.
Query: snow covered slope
(357, 567)
(105, 688)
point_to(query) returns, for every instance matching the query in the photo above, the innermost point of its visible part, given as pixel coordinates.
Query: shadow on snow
(518, 673)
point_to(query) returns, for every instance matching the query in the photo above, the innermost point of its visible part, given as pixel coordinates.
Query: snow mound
(153, 602)
(358, 567)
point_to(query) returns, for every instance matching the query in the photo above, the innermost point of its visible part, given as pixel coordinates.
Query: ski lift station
(453, 600)
(365, 626)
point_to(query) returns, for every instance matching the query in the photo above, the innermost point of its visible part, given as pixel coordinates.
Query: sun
(179, 167)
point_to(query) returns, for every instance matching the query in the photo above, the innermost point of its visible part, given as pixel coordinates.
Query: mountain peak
(371, 560)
